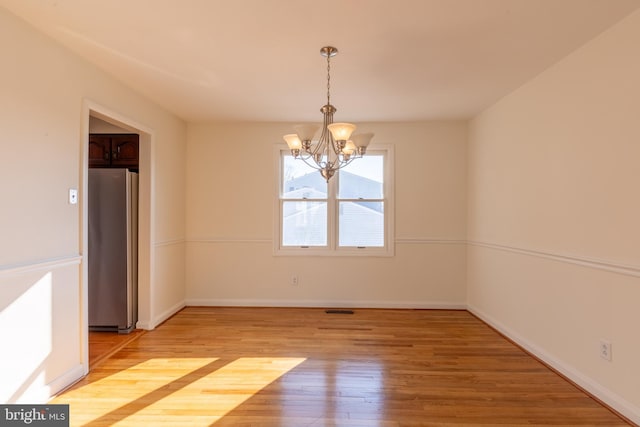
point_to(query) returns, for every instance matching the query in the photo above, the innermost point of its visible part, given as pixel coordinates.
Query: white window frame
(332, 248)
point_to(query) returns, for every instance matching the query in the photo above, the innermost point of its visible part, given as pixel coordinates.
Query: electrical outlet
(605, 350)
(294, 280)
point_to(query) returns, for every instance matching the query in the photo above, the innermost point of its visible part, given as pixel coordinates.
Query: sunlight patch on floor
(212, 397)
(173, 390)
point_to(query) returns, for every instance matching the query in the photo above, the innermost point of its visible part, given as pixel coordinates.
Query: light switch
(73, 196)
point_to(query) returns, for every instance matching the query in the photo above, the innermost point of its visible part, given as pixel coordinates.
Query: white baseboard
(144, 325)
(207, 302)
(63, 381)
(624, 407)
(149, 325)
(165, 315)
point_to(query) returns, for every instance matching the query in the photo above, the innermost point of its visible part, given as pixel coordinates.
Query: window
(349, 215)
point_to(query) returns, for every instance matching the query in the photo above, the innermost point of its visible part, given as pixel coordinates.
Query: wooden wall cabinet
(114, 150)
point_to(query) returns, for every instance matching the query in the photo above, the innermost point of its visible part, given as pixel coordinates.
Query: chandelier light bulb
(306, 132)
(293, 141)
(362, 139)
(349, 148)
(341, 131)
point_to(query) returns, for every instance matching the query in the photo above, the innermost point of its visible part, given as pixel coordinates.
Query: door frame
(146, 206)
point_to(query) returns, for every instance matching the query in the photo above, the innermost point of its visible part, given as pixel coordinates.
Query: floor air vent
(339, 311)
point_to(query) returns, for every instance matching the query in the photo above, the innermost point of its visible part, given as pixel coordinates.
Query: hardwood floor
(303, 367)
(104, 344)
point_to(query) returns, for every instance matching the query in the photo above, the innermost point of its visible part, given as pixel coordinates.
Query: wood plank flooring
(303, 367)
(104, 344)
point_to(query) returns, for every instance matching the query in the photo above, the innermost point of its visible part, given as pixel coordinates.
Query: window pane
(361, 224)
(301, 181)
(362, 178)
(304, 223)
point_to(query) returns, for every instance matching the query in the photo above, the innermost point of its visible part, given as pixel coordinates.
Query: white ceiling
(259, 59)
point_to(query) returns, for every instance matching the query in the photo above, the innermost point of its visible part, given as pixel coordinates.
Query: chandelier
(336, 147)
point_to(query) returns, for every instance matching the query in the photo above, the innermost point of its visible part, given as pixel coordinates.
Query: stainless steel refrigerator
(113, 250)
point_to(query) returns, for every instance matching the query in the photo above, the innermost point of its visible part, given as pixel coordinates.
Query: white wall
(554, 215)
(44, 88)
(230, 198)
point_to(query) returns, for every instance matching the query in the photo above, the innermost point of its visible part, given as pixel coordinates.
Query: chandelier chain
(328, 79)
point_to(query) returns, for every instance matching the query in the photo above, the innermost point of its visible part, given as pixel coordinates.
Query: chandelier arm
(310, 159)
(320, 146)
(313, 164)
(303, 155)
(342, 163)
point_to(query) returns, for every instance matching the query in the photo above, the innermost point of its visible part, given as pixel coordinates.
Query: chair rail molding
(611, 266)
(39, 265)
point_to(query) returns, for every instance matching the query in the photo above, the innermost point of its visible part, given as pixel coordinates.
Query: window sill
(323, 252)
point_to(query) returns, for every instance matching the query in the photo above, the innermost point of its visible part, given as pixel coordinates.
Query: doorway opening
(99, 120)
(113, 237)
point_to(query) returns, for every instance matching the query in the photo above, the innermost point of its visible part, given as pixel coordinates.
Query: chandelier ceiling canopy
(336, 147)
